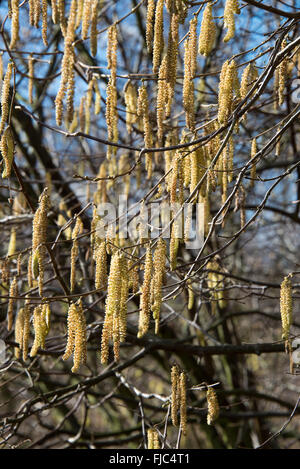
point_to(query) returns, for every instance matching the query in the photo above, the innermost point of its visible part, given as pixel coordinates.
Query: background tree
(140, 341)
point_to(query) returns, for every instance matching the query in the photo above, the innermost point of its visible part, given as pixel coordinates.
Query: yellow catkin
(31, 78)
(39, 237)
(161, 99)
(12, 242)
(70, 91)
(130, 97)
(41, 328)
(143, 111)
(231, 8)
(175, 395)
(55, 12)
(5, 97)
(207, 32)
(76, 337)
(97, 95)
(149, 24)
(124, 296)
(183, 409)
(286, 306)
(188, 86)
(67, 63)
(14, 23)
(213, 406)
(282, 76)
(112, 305)
(94, 20)
(145, 305)
(31, 12)
(74, 252)
(37, 12)
(101, 266)
(7, 151)
(13, 292)
(153, 439)
(172, 58)
(191, 296)
(227, 86)
(158, 40)
(22, 329)
(159, 266)
(253, 167)
(44, 22)
(86, 18)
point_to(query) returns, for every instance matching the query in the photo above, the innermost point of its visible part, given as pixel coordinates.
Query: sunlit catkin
(130, 97)
(76, 337)
(228, 83)
(13, 292)
(5, 97)
(158, 40)
(14, 23)
(145, 305)
(67, 63)
(207, 32)
(22, 330)
(44, 22)
(143, 111)
(112, 305)
(253, 167)
(159, 265)
(286, 306)
(153, 440)
(212, 406)
(30, 80)
(231, 8)
(41, 328)
(101, 266)
(39, 237)
(94, 20)
(149, 24)
(183, 409)
(74, 252)
(7, 151)
(282, 76)
(175, 395)
(86, 18)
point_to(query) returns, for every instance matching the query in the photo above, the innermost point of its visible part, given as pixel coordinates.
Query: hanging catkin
(86, 18)
(22, 330)
(30, 80)
(13, 292)
(145, 305)
(159, 266)
(76, 341)
(172, 56)
(282, 76)
(213, 406)
(111, 90)
(162, 97)
(130, 97)
(231, 8)
(94, 20)
(207, 32)
(228, 84)
(153, 440)
(253, 167)
(7, 151)
(143, 111)
(182, 393)
(55, 12)
(41, 327)
(112, 305)
(44, 22)
(188, 83)
(5, 97)
(286, 306)
(175, 395)
(39, 237)
(101, 266)
(14, 24)
(74, 252)
(158, 40)
(67, 82)
(149, 24)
